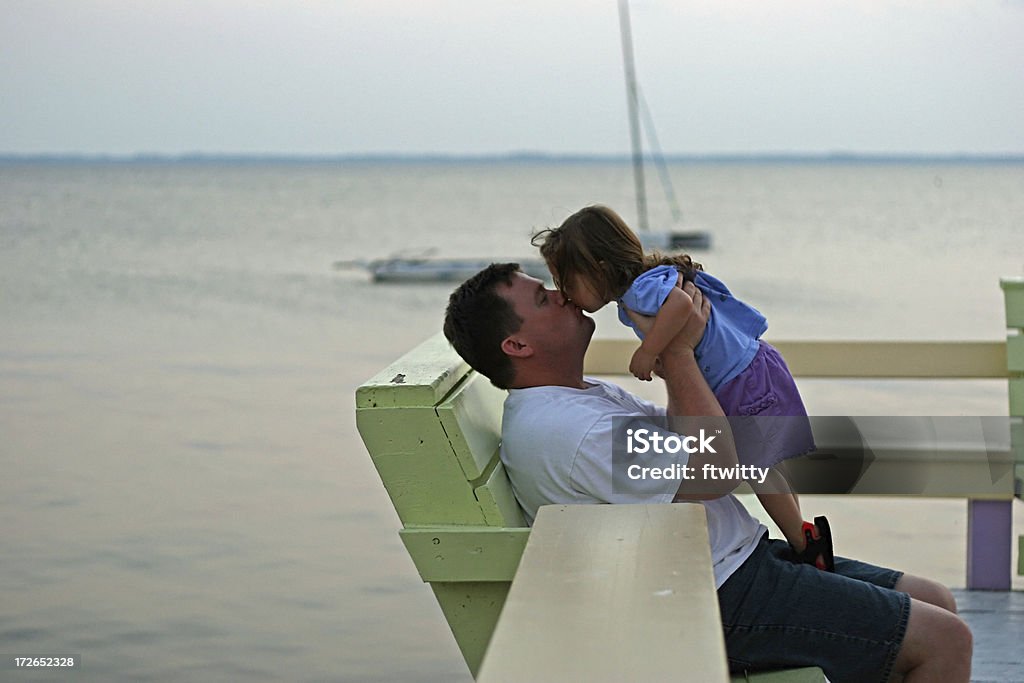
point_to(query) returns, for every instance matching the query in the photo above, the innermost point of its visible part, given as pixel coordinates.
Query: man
(861, 623)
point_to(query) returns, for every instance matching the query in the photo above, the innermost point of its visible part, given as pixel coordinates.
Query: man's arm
(691, 402)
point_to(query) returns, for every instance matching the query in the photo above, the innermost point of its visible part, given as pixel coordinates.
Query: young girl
(594, 258)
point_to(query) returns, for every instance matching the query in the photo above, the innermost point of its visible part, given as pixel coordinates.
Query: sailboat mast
(634, 119)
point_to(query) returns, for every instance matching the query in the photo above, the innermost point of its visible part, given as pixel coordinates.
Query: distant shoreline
(509, 158)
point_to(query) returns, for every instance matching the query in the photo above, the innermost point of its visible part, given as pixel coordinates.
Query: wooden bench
(432, 425)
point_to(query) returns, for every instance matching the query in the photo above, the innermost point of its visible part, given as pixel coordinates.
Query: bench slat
(414, 457)
(933, 474)
(467, 554)
(471, 416)
(421, 377)
(806, 675)
(603, 592)
(497, 501)
(1013, 290)
(1017, 396)
(1015, 353)
(842, 359)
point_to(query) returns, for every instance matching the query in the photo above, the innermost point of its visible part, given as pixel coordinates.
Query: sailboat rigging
(662, 240)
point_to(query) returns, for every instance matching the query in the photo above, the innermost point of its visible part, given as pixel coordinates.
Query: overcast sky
(481, 76)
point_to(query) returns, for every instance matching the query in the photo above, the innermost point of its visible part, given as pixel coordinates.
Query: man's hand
(693, 330)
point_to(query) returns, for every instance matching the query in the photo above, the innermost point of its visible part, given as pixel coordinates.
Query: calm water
(185, 496)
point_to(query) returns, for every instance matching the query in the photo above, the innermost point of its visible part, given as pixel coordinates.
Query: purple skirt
(775, 425)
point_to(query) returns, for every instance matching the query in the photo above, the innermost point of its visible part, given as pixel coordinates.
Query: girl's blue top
(731, 337)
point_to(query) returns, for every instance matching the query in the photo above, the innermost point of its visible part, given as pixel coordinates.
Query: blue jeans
(777, 614)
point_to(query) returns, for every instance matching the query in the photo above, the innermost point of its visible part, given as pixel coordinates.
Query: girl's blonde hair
(596, 243)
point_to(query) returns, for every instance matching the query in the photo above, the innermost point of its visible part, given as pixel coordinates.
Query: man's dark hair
(478, 320)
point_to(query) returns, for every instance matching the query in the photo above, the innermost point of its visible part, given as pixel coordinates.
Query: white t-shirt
(556, 445)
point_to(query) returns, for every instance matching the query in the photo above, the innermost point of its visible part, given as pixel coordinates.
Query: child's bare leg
(782, 506)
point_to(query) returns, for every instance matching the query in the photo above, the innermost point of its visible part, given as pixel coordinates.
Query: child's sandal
(818, 550)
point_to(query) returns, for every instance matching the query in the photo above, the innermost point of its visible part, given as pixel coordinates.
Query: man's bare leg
(938, 644)
(928, 591)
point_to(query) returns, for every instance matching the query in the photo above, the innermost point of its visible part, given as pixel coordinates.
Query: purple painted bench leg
(989, 539)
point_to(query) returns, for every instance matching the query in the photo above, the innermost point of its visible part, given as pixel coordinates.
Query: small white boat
(675, 241)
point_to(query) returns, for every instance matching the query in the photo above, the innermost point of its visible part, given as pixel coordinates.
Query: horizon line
(521, 156)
